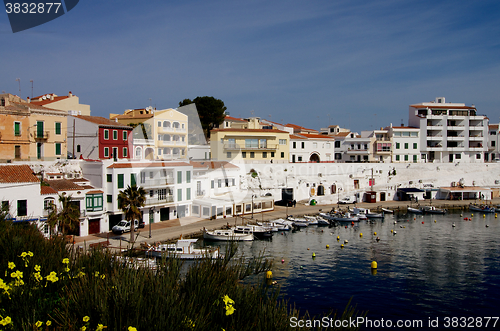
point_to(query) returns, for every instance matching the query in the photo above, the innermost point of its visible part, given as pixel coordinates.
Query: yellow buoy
(327, 246)
(495, 215)
(471, 215)
(269, 274)
(314, 254)
(342, 246)
(346, 241)
(374, 233)
(374, 264)
(392, 230)
(338, 238)
(484, 215)
(435, 221)
(361, 235)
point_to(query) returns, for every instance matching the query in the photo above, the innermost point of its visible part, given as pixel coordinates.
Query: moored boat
(414, 210)
(257, 230)
(482, 208)
(227, 235)
(182, 249)
(432, 210)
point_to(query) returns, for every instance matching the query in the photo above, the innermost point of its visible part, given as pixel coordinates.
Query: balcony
(144, 142)
(358, 151)
(148, 183)
(157, 201)
(455, 138)
(170, 129)
(266, 147)
(200, 193)
(435, 137)
(169, 143)
(41, 135)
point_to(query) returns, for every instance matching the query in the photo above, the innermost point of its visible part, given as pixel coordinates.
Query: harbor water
(429, 266)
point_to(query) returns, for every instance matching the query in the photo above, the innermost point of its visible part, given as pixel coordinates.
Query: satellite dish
(44, 97)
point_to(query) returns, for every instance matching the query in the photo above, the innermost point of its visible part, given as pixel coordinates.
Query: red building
(94, 137)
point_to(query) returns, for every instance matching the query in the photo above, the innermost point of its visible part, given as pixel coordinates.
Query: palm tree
(68, 219)
(130, 201)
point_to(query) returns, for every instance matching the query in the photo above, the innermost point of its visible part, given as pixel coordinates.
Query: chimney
(52, 96)
(29, 100)
(70, 94)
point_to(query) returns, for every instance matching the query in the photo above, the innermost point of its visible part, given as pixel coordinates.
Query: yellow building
(69, 103)
(252, 144)
(14, 124)
(158, 134)
(39, 133)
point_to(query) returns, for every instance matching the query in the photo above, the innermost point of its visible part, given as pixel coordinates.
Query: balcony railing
(146, 142)
(170, 129)
(157, 182)
(157, 201)
(42, 135)
(238, 147)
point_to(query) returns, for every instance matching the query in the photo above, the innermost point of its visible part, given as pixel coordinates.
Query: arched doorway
(314, 157)
(321, 190)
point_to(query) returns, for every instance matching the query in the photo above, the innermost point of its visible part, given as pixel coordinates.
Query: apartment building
(450, 132)
(311, 148)
(94, 137)
(406, 144)
(14, 126)
(493, 142)
(69, 103)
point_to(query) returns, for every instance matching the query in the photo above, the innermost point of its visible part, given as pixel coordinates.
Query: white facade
(450, 132)
(311, 148)
(406, 144)
(493, 142)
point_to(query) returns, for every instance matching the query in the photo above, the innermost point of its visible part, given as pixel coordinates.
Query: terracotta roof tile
(17, 174)
(101, 121)
(229, 118)
(45, 190)
(317, 136)
(47, 101)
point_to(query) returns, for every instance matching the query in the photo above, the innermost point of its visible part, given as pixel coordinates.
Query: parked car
(124, 226)
(347, 200)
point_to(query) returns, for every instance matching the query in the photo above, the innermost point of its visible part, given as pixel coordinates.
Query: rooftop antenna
(19, 80)
(149, 102)
(31, 88)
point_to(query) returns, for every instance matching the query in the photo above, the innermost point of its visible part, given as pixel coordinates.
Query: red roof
(67, 185)
(47, 101)
(45, 190)
(493, 126)
(299, 127)
(101, 121)
(212, 164)
(17, 174)
(252, 130)
(317, 136)
(295, 136)
(229, 118)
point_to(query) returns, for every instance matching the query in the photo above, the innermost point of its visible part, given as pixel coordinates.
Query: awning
(410, 190)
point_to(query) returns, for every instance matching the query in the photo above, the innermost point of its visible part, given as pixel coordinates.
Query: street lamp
(151, 218)
(253, 196)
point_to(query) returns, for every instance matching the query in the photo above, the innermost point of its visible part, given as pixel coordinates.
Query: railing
(238, 147)
(200, 193)
(171, 129)
(157, 182)
(156, 200)
(42, 135)
(149, 142)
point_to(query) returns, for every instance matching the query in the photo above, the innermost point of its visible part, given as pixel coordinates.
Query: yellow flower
(38, 277)
(86, 319)
(5, 321)
(12, 265)
(48, 323)
(83, 328)
(227, 300)
(38, 324)
(37, 267)
(66, 270)
(131, 328)
(103, 276)
(229, 310)
(80, 274)
(24, 254)
(65, 261)
(30, 254)
(96, 274)
(52, 277)
(100, 327)
(18, 274)
(189, 323)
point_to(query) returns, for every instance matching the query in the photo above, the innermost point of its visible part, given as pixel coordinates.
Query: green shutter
(188, 194)
(133, 179)
(39, 129)
(179, 194)
(120, 181)
(106, 134)
(179, 177)
(58, 128)
(109, 178)
(188, 176)
(17, 129)
(110, 198)
(58, 148)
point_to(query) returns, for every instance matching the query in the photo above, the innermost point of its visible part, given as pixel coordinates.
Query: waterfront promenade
(193, 226)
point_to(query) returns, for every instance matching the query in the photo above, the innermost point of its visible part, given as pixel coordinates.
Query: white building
(493, 142)
(311, 148)
(406, 144)
(450, 132)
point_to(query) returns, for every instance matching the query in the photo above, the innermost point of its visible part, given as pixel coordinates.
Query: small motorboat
(182, 249)
(257, 230)
(387, 211)
(277, 225)
(227, 235)
(432, 210)
(414, 210)
(344, 217)
(481, 208)
(298, 222)
(311, 219)
(375, 215)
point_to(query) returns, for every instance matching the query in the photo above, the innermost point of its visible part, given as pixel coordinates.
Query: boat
(311, 219)
(298, 222)
(375, 215)
(279, 224)
(344, 217)
(481, 208)
(257, 230)
(364, 214)
(182, 249)
(387, 211)
(414, 210)
(227, 235)
(432, 210)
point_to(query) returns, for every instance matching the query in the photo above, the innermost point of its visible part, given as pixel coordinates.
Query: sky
(357, 64)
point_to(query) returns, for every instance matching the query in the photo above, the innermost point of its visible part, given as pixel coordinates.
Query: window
(212, 185)
(115, 134)
(78, 149)
(244, 154)
(414, 134)
(299, 158)
(39, 129)
(415, 158)
(251, 143)
(109, 178)
(282, 141)
(125, 152)
(263, 143)
(478, 156)
(492, 143)
(294, 144)
(337, 144)
(188, 192)
(179, 177)
(106, 134)
(397, 157)
(143, 177)
(58, 128)
(219, 182)
(252, 155)
(22, 207)
(124, 135)
(231, 143)
(106, 151)
(58, 148)
(228, 155)
(110, 198)
(458, 156)
(406, 145)
(272, 154)
(264, 155)
(17, 129)
(303, 144)
(5, 206)
(120, 181)
(338, 156)
(188, 176)
(133, 179)
(93, 202)
(179, 194)
(282, 155)
(115, 152)
(406, 157)
(17, 152)
(414, 145)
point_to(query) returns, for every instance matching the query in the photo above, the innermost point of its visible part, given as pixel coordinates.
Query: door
(39, 150)
(450, 157)
(382, 196)
(94, 226)
(164, 214)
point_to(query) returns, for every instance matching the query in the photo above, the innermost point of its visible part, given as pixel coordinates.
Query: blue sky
(358, 64)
